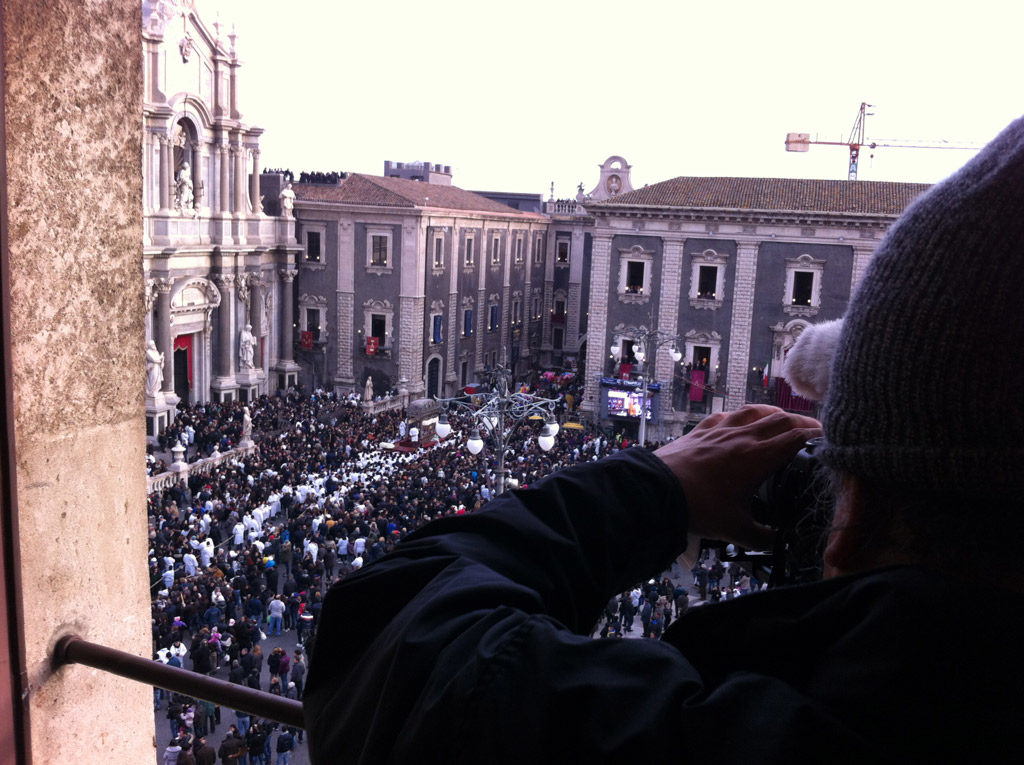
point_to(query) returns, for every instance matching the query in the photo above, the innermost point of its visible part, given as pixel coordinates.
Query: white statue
(246, 347)
(183, 187)
(368, 392)
(246, 425)
(287, 198)
(154, 369)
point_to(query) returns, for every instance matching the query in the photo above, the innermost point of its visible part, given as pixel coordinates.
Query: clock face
(613, 184)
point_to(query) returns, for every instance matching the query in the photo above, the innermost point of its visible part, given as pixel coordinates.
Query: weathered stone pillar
(74, 536)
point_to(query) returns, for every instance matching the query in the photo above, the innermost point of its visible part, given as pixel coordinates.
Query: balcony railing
(564, 207)
(71, 649)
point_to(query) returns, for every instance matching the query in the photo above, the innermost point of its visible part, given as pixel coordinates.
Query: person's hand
(722, 461)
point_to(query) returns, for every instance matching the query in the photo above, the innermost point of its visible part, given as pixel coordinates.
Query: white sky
(516, 95)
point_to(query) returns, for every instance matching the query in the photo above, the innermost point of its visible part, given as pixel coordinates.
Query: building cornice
(742, 216)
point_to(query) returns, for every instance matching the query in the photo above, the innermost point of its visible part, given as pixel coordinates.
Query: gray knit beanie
(927, 384)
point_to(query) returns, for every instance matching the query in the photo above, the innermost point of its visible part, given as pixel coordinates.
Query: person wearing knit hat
(473, 634)
(920, 380)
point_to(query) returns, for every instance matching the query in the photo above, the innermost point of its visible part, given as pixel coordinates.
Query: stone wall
(72, 96)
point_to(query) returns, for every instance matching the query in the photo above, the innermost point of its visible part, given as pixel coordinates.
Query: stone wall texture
(72, 89)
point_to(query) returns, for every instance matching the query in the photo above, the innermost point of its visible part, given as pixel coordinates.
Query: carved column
(239, 157)
(165, 172)
(256, 302)
(225, 330)
(162, 330)
(287, 277)
(198, 186)
(255, 306)
(224, 156)
(254, 183)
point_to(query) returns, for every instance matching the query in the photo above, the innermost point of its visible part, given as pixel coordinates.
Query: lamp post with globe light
(500, 408)
(646, 343)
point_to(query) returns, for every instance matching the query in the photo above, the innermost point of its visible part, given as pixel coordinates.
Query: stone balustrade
(180, 471)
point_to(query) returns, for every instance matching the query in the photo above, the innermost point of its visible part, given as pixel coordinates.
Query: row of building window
(379, 249)
(801, 295)
(312, 319)
(802, 292)
(802, 279)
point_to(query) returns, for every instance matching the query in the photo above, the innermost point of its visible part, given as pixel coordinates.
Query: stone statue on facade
(154, 369)
(184, 189)
(287, 199)
(246, 347)
(368, 391)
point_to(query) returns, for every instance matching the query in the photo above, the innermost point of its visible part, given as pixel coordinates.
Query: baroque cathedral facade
(218, 269)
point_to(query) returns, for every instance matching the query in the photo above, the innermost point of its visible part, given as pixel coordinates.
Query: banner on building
(697, 377)
(372, 343)
(306, 339)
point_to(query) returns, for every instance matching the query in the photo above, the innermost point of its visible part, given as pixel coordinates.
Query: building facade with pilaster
(736, 268)
(218, 270)
(413, 285)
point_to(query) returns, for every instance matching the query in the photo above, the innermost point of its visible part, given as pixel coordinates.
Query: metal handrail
(72, 649)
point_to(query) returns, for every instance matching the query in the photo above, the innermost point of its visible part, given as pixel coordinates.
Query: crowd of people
(657, 604)
(247, 550)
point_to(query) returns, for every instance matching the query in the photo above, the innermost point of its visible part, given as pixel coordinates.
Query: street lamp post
(500, 406)
(646, 343)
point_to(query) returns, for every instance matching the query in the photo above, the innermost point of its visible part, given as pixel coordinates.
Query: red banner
(697, 377)
(372, 344)
(306, 339)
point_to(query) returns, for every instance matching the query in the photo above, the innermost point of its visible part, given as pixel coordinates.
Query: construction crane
(802, 142)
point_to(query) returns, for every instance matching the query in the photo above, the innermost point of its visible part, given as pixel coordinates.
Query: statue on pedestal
(154, 369)
(287, 198)
(183, 189)
(368, 391)
(246, 347)
(246, 426)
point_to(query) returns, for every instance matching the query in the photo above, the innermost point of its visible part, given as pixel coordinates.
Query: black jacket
(479, 651)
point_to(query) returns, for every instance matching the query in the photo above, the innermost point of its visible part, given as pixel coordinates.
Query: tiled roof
(400, 192)
(783, 194)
